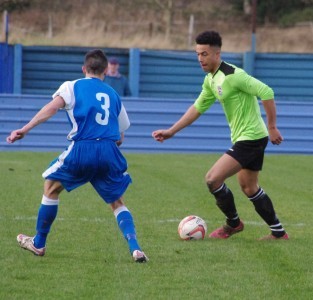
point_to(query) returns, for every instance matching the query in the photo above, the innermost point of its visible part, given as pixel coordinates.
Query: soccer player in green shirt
(237, 92)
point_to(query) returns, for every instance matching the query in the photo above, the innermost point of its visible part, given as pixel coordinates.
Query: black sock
(264, 207)
(225, 201)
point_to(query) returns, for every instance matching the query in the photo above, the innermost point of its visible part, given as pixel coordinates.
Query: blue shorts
(99, 162)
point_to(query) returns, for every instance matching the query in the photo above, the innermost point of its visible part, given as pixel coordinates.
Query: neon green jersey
(237, 92)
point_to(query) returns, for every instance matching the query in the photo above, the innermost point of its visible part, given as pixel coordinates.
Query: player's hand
(161, 135)
(275, 136)
(120, 141)
(14, 136)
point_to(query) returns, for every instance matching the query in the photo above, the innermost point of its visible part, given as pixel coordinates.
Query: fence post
(5, 27)
(17, 79)
(248, 62)
(6, 68)
(134, 71)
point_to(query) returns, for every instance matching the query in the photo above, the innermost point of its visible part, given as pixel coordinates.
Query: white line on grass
(102, 220)
(246, 222)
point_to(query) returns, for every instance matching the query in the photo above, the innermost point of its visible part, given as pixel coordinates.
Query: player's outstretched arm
(270, 110)
(43, 115)
(188, 118)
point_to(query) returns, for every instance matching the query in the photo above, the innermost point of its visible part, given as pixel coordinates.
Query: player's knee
(212, 181)
(52, 189)
(116, 204)
(248, 190)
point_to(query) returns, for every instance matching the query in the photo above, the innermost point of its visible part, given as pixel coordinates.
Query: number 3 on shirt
(100, 118)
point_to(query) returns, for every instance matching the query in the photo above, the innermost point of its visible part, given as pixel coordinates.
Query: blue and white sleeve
(123, 120)
(66, 91)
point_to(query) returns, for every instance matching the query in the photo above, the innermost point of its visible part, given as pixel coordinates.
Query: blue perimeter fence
(209, 134)
(39, 70)
(163, 83)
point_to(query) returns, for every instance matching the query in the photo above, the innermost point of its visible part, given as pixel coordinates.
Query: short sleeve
(205, 99)
(66, 91)
(123, 120)
(252, 86)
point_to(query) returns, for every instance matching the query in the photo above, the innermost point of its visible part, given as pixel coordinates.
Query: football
(192, 228)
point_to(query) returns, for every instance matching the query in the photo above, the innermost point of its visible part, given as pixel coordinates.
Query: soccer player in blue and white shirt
(98, 120)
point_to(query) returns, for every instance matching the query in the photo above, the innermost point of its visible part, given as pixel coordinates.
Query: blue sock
(126, 224)
(46, 215)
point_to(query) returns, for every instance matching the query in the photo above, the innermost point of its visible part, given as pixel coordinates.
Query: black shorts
(250, 154)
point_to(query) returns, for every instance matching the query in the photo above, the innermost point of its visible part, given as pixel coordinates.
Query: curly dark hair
(211, 38)
(95, 61)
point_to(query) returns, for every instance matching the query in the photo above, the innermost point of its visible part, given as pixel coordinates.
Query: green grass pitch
(87, 258)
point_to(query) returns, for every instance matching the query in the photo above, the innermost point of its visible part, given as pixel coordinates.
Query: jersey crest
(219, 90)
